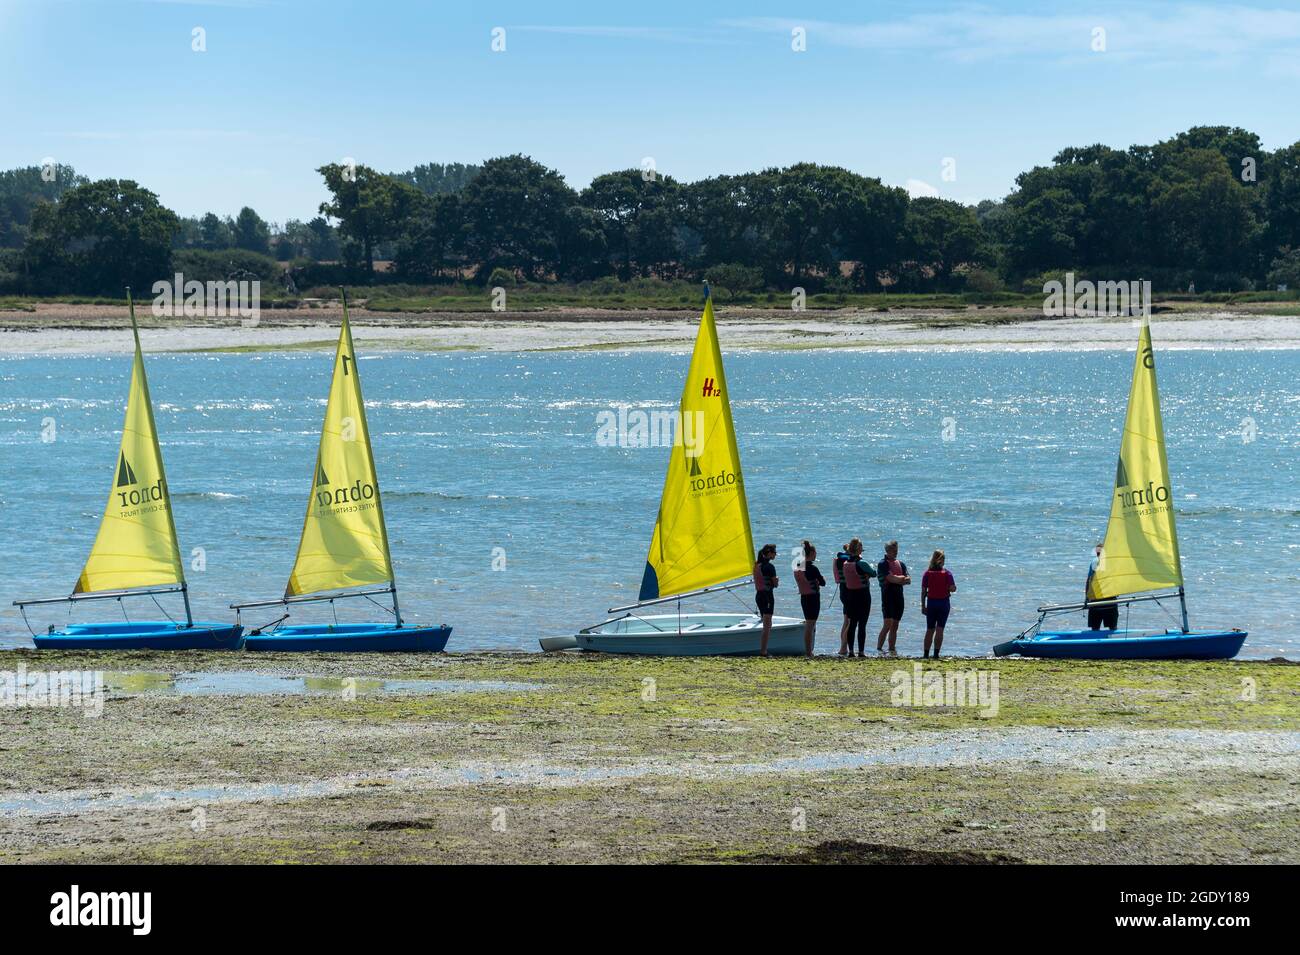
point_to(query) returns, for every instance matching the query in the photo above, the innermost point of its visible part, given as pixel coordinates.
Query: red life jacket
(760, 582)
(806, 586)
(854, 579)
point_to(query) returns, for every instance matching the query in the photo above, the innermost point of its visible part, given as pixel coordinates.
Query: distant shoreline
(58, 328)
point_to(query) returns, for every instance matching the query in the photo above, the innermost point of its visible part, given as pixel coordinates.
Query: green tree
(735, 279)
(515, 215)
(100, 237)
(640, 218)
(21, 190)
(871, 230)
(251, 232)
(580, 250)
(436, 179)
(431, 244)
(726, 213)
(1044, 232)
(370, 206)
(1203, 217)
(941, 236)
(1281, 185)
(1285, 270)
(1232, 144)
(215, 232)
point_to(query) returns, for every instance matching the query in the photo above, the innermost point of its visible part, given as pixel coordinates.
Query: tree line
(1208, 207)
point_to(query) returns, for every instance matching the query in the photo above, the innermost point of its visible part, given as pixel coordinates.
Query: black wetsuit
(812, 603)
(858, 606)
(765, 600)
(891, 595)
(840, 560)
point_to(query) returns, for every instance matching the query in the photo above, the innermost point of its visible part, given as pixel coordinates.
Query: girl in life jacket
(810, 581)
(857, 592)
(764, 583)
(837, 571)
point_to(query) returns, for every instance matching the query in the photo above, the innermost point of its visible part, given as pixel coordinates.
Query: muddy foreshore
(104, 329)
(591, 759)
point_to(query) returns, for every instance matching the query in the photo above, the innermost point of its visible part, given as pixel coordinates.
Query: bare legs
(809, 636)
(767, 632)
(935, 635)
(890, 630)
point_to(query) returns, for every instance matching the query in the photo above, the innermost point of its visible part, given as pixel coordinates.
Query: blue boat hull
(351, 638)
(143, 635)
(1127, 645)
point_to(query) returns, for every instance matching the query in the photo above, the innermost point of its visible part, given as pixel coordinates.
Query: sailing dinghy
(343, 552)
(701, 540)
(135, 553)
(1139, 558)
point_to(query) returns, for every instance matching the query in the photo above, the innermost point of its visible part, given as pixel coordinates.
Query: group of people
(853, 575)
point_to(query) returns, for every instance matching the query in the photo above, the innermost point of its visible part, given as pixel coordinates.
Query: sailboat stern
(693, 635)
(1127, 645)
(141, 635)
(350, 638)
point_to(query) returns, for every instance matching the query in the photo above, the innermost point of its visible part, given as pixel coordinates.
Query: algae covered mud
(544, 759)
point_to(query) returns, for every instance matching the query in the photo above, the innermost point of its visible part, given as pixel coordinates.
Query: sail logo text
(628, 427)
(1143, 497)
(74, 907)
(922, 687)
(712, 483)
(355, 494)
(134, 497)
(710, 390)
(1090, 299)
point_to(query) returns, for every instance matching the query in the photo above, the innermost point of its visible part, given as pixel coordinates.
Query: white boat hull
(693, 635)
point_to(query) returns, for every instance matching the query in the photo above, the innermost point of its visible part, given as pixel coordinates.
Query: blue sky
(890, 90)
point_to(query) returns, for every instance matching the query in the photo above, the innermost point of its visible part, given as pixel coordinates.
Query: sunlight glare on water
(484, 451)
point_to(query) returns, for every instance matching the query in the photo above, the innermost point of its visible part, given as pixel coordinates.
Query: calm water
(484, 451)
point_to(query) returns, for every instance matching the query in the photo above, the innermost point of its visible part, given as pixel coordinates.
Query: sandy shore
(80, 329)
(590, 759)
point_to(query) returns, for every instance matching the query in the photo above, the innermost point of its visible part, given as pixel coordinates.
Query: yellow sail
(344, 540)
(1140, 552)
(136, 544)
(702, 535)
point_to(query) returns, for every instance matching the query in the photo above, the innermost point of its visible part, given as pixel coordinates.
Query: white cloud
(916, 188)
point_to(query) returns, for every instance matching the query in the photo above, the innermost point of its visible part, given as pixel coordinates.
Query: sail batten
(1140, 550)
(344, 541)
(136, 545)
(702, 535)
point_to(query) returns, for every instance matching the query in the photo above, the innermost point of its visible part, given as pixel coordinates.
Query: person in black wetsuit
(764, 583)
(846, 627)
(857, 574)
(810, 581)
(893, 578)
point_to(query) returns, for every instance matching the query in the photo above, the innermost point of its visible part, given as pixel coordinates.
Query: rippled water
(484, 451)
